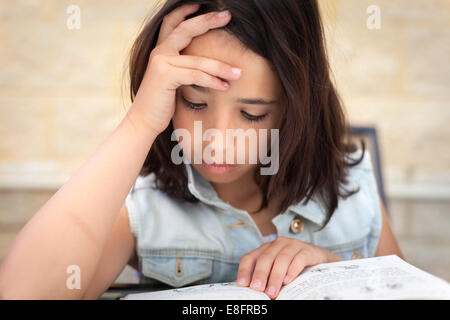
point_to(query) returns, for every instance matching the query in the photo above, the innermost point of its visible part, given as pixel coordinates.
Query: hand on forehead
(257, 77)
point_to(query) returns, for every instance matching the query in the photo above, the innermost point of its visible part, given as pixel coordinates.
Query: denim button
(179, 267)
(177, 271)
(297, 225)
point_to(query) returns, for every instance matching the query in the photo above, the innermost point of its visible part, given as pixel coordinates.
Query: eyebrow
(240, 100)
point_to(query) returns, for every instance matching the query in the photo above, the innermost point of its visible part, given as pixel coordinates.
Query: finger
(211, 66)
(247, 264)
(187, 76)
(183, 34)
(264, 265)
(279, 269)
(174, 18)
(301, 260)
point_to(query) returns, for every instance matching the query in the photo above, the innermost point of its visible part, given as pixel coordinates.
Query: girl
(261, 65)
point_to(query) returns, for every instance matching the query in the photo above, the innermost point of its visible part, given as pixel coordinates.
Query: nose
(216, 128)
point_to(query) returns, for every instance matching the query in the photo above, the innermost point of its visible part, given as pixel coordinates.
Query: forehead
(258, 76)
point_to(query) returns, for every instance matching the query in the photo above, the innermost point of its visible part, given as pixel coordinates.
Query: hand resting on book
(278, 262)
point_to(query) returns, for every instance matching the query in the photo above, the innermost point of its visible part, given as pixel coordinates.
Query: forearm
(73, 226)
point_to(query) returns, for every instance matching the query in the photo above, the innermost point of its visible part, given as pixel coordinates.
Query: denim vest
(180, 243)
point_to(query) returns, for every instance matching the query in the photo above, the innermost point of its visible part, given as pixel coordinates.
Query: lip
(219, 168)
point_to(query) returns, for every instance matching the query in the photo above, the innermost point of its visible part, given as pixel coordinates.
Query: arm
(72, 228)
(387, 244)
(119, 250)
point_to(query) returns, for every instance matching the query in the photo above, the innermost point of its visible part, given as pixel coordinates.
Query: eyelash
(196, 107)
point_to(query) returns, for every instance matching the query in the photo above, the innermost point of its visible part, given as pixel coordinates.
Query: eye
(253, 118)
(200, 106)
(193, 106)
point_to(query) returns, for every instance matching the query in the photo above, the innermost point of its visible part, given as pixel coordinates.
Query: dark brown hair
(314, 134)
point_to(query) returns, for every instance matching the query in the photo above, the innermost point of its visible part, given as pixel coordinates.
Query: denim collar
(205, 192)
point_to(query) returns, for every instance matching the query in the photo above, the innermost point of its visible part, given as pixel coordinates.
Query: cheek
(182, 121)
(182, 118)
(266, 136)
(254, 149)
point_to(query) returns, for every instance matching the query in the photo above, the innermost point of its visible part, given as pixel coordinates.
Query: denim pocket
(176, 271)
(356, 249)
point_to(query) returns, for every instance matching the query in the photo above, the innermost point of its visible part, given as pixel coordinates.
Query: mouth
(219, 168)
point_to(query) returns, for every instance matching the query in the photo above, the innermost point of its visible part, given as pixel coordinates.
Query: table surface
(119, 290)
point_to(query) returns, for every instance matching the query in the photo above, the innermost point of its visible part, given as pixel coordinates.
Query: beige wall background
(62, 94)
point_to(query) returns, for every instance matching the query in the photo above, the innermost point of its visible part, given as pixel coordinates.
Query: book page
(385, 277)
(213, 291)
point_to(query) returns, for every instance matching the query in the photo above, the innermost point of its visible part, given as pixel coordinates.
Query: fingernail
(224, 13)
(256, 284)
(236, 70)
(286, 279)
(242, 281)
(271, 290)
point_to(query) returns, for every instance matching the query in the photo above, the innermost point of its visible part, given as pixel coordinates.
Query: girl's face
(231, 109)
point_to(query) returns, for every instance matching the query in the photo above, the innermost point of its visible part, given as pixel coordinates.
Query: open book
(385, 277)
